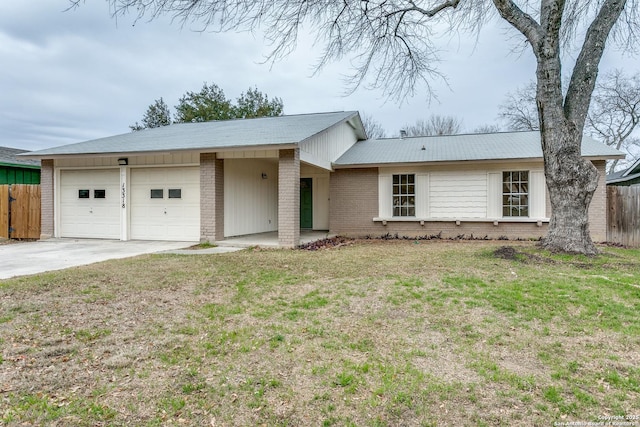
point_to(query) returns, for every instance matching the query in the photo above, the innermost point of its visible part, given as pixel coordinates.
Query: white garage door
(165, 203)
(90, 204)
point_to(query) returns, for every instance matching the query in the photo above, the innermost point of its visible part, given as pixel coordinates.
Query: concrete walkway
(270, 239)
(22, 258)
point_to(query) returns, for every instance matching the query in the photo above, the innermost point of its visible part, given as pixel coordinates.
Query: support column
(211, 198)
(289, 198)
(47, 218)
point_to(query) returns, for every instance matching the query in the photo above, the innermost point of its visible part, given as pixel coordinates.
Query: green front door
(306, 203)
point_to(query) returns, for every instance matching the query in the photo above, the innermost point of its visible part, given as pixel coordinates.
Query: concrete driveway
(22, 258)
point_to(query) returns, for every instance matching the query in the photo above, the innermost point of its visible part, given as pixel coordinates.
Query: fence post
(4, 211)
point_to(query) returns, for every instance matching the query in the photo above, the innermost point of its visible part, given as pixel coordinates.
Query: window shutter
(385, 208)
(494, 195)
(422, 196)
(537, 196)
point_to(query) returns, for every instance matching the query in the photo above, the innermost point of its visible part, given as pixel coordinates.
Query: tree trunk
(571, 181)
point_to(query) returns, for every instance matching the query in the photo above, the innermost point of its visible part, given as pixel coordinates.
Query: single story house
(626, 177)
(15, 170)
(209, 181)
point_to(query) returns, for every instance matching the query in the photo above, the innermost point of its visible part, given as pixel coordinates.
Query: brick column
(46, 200)
(598, 207)
(289, 198)
(211, 198)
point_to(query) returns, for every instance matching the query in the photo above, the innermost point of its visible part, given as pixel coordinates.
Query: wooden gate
(623, 216)
(20, 211)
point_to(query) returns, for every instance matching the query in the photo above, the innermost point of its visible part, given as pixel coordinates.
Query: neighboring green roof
(214, 135)
(450, 148)
(8, 158)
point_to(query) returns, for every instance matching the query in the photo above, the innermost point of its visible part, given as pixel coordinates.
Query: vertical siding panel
(251, 203)
(331, 144)
(320, 203)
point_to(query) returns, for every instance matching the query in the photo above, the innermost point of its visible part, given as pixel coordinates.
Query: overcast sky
(72, 76)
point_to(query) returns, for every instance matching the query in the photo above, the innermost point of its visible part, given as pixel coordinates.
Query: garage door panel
(165, 218)
(90, 217)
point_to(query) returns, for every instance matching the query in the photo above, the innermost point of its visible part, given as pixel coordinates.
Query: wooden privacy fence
(20, 211)
(623, 218)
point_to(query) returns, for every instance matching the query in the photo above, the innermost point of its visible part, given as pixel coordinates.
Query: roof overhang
(623, 179)
(454, 162)
(259, 147)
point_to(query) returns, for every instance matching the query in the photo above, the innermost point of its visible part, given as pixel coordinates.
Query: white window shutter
(494, 195)
(537, 194)
(385, 208)
(422, 196)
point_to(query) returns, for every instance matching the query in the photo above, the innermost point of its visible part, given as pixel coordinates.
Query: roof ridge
(455, 135)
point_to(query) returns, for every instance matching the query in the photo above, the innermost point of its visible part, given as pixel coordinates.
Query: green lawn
(377, 333)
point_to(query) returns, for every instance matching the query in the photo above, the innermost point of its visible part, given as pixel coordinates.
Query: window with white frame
(515, 193)
(404, 195)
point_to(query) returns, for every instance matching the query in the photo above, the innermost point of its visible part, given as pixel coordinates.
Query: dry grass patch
(369, 334)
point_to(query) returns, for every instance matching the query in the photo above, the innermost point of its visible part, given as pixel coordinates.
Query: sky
(75, 75)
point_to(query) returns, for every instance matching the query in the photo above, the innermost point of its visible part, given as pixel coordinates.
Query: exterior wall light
(123, 161)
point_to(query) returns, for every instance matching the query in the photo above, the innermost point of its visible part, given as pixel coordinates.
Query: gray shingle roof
(490, 146)
(282, 130)
(8, 157)
(629, 174)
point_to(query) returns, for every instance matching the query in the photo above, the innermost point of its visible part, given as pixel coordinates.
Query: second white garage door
(165, 204)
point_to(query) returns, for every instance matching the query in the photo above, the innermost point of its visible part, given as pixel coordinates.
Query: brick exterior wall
(353, 201)
(211, 198)
(46, 202)
(354, 204)
(289, 198)
(598, 207)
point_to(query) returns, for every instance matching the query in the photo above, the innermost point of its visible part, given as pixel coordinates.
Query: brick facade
(289, 198)
(598, 207)
(354, 204)
(46, 201)
(211, 198)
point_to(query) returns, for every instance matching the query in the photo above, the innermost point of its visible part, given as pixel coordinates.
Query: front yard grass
(377, 333)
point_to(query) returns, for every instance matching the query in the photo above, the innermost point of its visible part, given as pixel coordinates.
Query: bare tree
(613, 116)
(434, 125)
(372, 128)
(519, 110)
(395, 43)
(615, 112)
(488, 128)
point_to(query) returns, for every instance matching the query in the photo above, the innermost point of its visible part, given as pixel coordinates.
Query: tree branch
(551, 12)
(520, 20)
(585, 72)
(435, 10)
